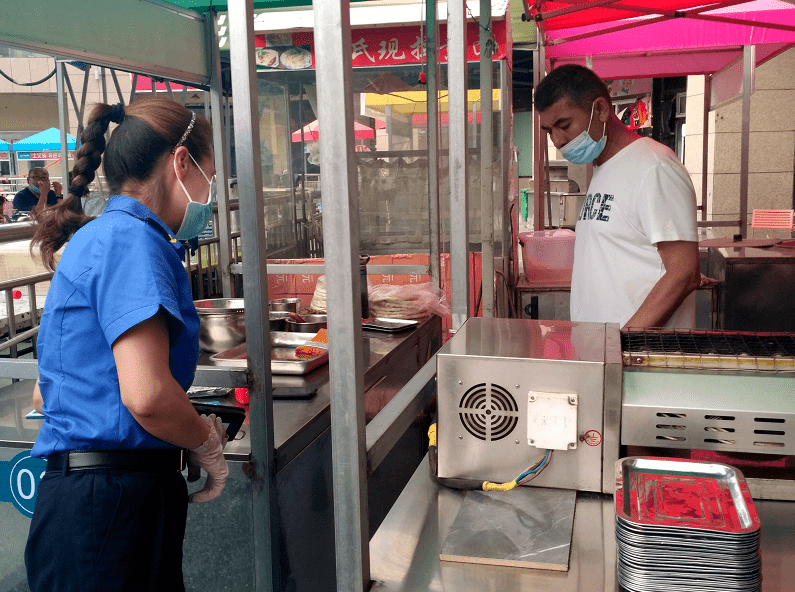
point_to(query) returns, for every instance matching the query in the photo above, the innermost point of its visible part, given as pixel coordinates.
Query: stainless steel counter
(304, 491)
(296, 422)
(404, 553)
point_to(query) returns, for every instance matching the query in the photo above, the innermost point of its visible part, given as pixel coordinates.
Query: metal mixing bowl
(222, 323)
(277, 319)
(285, 304)
(313, 323)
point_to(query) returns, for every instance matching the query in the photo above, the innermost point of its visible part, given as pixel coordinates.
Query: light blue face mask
(584, 149)
(34, 189)
(196, 215)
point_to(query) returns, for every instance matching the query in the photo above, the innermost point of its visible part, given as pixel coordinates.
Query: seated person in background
(38, 187)
(8, 208)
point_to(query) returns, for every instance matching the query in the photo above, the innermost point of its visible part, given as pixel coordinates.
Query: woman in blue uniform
(117, 349)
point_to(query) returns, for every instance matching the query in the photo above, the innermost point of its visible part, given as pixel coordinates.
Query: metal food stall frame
(187, 52)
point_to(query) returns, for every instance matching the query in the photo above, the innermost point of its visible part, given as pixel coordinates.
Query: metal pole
(105, 86)
(116, 84)
(433, 142)
(538, 138)
(388, 118)
(459, 204)
(265, 516)
(705, 145)
(224, 229)
(486, 160)
(82, 112)
(62, 122)
(749, 65)
(303, 153)
(339, 184)
(105, 95)
(506, 101)
(228, 131)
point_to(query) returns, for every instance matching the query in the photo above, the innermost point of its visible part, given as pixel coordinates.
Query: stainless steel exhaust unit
(511, 389)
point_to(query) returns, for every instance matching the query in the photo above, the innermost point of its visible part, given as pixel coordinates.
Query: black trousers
(107, 530)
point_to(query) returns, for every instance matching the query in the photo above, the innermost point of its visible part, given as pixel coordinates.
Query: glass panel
(390, 113)
(283, 196)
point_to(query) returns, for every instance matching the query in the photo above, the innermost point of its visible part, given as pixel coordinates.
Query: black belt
(144, 461)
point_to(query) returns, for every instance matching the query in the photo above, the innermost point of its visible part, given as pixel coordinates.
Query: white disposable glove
(219, 427)
(210, 457)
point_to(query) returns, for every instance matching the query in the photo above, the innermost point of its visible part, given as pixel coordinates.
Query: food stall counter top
(404, 553)
(296, 421)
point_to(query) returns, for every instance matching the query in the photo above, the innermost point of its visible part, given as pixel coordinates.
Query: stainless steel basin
(222, 323)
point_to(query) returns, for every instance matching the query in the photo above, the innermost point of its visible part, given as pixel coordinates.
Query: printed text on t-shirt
(596, 207)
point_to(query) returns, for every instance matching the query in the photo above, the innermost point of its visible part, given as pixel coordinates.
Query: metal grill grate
(730, 350)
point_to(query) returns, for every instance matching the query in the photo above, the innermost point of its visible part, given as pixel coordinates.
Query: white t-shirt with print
(641, 196)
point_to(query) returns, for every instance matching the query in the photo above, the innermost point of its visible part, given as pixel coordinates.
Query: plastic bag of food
(409, 301)
(318, 303)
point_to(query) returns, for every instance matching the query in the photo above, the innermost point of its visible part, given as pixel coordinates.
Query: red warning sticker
(592, 438)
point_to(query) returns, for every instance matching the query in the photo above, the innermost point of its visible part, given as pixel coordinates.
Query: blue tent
(49, 139)
(3, 145)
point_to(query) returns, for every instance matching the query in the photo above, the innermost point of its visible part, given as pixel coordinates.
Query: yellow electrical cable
(489, 486)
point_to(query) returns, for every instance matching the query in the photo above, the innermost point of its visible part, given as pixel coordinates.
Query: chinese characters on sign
(401, 45)
(47, 155)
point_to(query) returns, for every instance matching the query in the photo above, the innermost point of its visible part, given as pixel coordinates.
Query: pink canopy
(312, 132)
(674, 38)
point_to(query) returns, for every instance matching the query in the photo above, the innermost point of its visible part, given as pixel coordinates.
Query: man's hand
(44, 187)
(57, 188)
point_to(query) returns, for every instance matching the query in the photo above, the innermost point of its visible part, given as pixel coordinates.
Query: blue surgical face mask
(584, 149)
(196, 215)
(34, 189)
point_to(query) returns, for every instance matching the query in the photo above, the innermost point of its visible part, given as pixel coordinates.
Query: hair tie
(117, 113)
(77, 191)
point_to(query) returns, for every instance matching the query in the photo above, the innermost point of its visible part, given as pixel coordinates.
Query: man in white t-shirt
(636, 247)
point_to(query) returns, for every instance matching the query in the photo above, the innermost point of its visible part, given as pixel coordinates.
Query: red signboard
(43, 155)
(389, 46)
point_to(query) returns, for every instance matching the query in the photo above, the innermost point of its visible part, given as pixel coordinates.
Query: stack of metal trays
(685, 526)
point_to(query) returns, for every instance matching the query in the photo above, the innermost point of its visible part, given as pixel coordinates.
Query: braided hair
(147, 132)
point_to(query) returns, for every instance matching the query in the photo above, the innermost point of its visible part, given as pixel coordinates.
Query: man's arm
(682, 276)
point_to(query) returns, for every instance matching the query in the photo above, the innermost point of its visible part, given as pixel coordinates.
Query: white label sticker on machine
(552, 420)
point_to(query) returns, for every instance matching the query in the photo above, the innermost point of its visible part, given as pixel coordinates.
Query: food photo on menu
(279, 52)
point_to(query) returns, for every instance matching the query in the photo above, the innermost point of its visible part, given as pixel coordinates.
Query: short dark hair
(34, 169)
(577, 83)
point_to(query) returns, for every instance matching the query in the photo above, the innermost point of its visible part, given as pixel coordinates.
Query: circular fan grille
(488, 413)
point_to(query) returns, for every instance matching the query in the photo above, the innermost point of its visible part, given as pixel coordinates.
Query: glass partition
(390, 131)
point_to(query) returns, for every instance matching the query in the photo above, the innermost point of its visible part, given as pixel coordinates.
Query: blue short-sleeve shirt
(117, 271)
